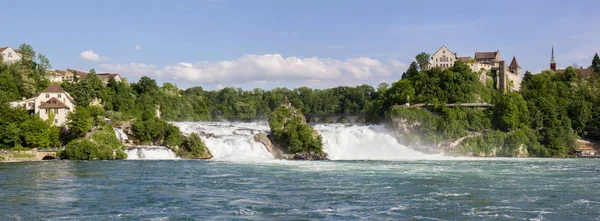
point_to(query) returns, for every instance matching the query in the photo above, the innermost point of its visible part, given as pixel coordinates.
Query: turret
(514, 67)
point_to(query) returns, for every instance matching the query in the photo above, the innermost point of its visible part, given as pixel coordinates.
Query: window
(59, 95)
(57, 111)
(47, 95)
(444, 52)
(10, 54)
(56, 121)
(46, 111)
(31, 104)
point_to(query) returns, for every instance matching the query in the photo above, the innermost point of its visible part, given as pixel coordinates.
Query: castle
(507, 78)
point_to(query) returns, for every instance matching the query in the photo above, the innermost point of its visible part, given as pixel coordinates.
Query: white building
(69, 76)
(483, 63)
(10, 55)
(52, 100)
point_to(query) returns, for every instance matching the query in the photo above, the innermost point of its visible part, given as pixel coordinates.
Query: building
(10, 55)
(69, 76)
(52, 100)
(552, 62)
(508, 78)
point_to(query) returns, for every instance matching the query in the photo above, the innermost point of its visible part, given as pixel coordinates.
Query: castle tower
(514, 67)
(552, 62)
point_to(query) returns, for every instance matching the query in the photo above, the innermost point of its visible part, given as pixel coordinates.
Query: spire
(514, 63)
(552, 60)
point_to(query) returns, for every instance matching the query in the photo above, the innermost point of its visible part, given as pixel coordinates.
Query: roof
(444, 48)
(107, 76)
(514, 63)
(485, 55)
(581, 72)
(53, 103)
(53, 88)
(80, 74)
(464, 59)
(552, 59)
(2, 49)
(60, 72)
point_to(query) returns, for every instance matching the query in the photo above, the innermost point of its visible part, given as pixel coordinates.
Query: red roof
(485, 55)
(53, 88)
(53, 103)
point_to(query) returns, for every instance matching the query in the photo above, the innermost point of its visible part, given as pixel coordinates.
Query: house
(52, 100)
(69, 76)
(483, 63)
(10, 55)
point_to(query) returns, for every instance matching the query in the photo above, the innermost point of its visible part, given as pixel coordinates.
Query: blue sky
(266, 44)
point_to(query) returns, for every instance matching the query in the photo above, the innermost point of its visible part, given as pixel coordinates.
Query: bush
(87, 150)
(290, 127)
(192, 147)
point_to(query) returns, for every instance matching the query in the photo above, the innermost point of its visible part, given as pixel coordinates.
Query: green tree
(509, 112)
(422, 58)
(27, 51)
(79, 122)
(596, 63)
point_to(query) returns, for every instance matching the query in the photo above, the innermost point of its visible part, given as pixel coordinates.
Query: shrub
(192, 147)
(291, 128)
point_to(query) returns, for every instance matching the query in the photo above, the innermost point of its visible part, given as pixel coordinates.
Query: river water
(447, 189)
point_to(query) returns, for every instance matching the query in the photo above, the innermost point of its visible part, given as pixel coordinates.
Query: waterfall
(150, 153)
(230, 141)
(120, 134)
(364, 142)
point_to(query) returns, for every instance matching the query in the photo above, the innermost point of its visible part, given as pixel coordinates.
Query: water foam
(150, 153)
(230, 141)
(364, 142)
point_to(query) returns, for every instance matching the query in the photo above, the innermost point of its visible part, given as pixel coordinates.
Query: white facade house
(10, 55)
(52, 100)
(443, 58)
(483, 63)
(69, 76)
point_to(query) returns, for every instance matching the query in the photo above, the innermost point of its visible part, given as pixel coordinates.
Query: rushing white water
(150, 153)
(230, 141)
(235, 142)
(120, 134)
(364, 142)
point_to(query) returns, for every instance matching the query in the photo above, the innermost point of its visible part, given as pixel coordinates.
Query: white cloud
(137, 47)
(131, 69)
(269, 67)
(90, 55)
(260, 69)
(104, 58)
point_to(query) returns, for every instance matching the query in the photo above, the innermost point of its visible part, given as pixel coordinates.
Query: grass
(23, 155)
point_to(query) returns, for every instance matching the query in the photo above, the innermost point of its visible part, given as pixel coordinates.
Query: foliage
(79, 122)
(289, 126)
(192, 147)
(596, 63)
(422, 58)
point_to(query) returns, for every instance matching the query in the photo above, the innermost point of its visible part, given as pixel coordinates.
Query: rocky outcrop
(279, 151)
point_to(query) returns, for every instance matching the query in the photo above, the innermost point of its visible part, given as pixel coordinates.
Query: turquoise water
(503, 189)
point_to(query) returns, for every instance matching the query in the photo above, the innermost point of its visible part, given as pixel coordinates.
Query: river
(520, 189)
(370, 177)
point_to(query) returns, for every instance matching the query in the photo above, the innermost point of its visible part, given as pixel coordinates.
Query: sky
(273, 43)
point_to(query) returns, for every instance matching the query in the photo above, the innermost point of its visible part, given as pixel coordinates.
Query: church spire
(552, 62)
(552, 59)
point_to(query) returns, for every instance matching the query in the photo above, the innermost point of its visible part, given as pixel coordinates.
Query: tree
(422, 58)
(79, 122)
(27, 51)
(411, 72)
(596, 63)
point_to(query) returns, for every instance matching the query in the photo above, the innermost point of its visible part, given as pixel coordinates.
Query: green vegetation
(289, 126)
(545, 118)
(23, 155)
(193, 148)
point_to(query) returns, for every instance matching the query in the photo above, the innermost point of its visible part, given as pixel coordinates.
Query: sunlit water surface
(514, 189)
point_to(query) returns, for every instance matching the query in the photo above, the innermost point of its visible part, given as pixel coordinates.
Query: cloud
(137, 47)
(269, 67)
(90, 55)
(104, 58)
(131, 69)
(260, 69)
